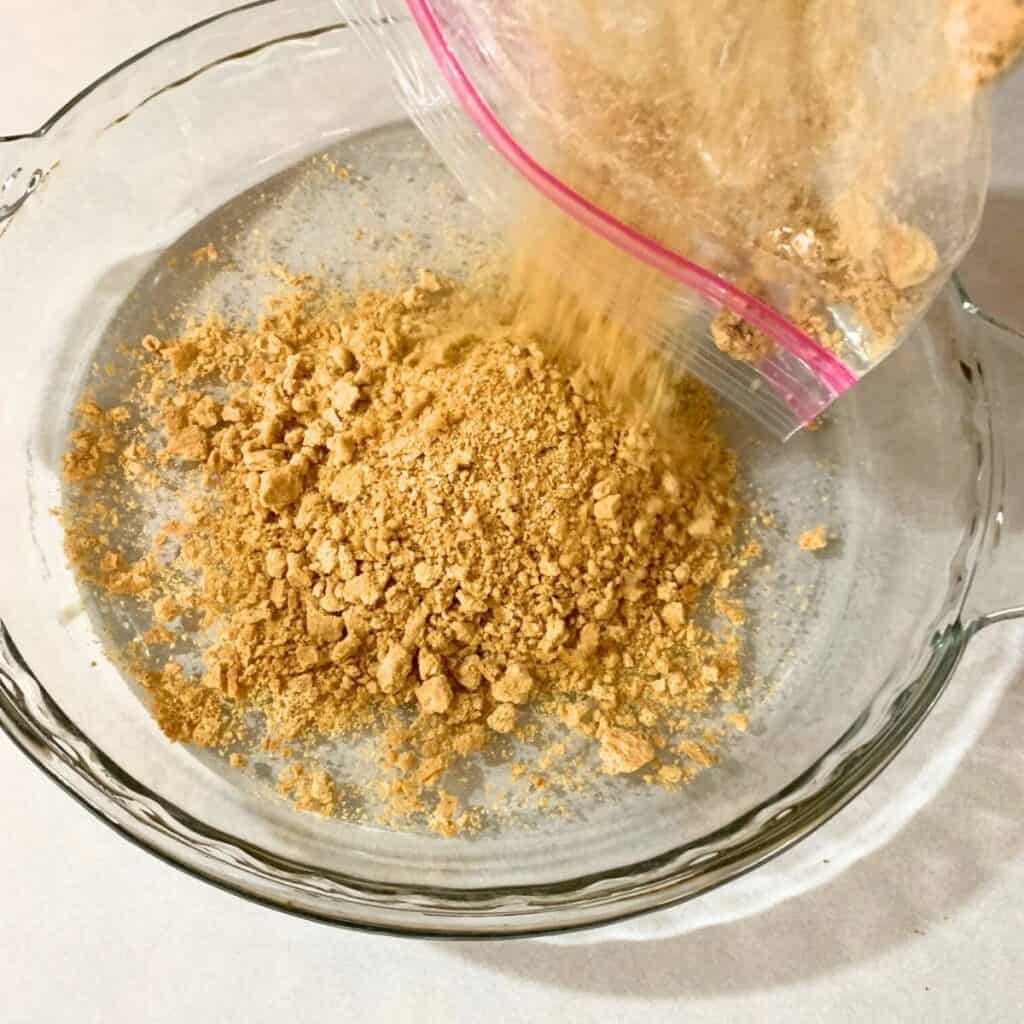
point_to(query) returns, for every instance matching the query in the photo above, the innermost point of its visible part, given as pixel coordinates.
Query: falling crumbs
(402, 518)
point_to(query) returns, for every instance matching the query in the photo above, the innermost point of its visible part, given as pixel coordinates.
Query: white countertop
(913, 914)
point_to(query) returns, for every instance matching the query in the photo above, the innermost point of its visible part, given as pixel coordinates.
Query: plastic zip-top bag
(765, 195)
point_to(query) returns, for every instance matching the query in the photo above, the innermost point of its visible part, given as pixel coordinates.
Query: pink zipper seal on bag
(829, 370)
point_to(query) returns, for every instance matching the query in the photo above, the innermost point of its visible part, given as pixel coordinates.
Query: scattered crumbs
(338, 170)
(205, 254)
(310, 789)
(813, 539)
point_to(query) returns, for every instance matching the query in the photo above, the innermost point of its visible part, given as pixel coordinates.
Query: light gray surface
(927, 926)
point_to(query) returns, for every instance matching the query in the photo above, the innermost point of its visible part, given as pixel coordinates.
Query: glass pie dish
(230, 132)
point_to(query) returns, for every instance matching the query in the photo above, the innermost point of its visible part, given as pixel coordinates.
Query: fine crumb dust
(403, 519)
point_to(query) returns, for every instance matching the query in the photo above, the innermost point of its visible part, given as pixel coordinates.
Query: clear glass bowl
(218, 134)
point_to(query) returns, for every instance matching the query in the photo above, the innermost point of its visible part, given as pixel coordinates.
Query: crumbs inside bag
(823, 155)
(402, 519)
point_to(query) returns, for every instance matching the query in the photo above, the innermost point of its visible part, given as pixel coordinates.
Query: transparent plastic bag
(770, 198)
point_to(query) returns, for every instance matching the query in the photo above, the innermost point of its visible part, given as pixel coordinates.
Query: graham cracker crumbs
(623, 751)
(404, 518)
(990, 34)
(338, 170)
(311, 789)
(446, 820)
(814, 539)
(206, 254)
(776, 142)
(93, 442)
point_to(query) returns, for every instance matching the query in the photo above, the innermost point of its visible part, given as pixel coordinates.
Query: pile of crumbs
(403, 519)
